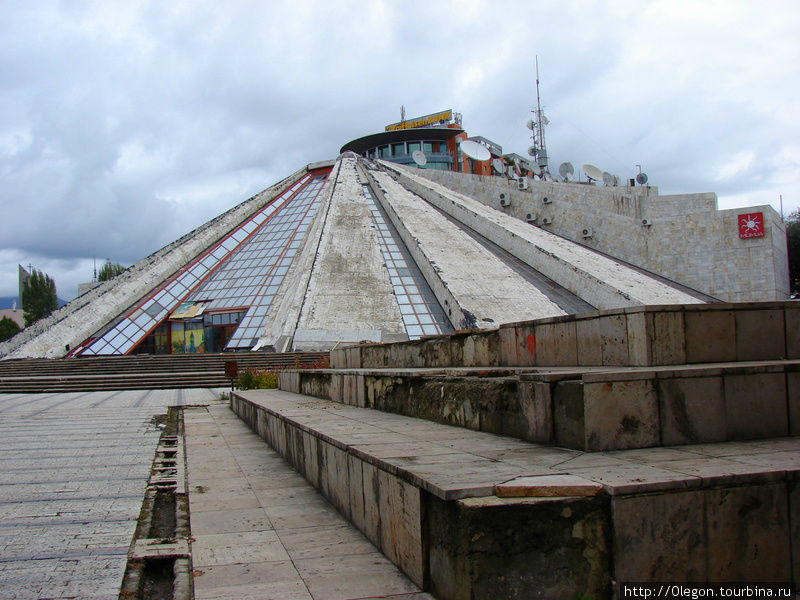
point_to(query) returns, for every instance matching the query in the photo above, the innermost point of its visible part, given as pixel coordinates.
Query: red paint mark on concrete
(530, 345)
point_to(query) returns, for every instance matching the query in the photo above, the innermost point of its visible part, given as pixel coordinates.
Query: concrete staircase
(561, 456)
(139, 371)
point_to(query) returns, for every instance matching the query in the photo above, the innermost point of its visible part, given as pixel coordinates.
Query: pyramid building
(376, 246)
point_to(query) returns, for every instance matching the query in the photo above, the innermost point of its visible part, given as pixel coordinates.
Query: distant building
(369, 246)
(15, 314)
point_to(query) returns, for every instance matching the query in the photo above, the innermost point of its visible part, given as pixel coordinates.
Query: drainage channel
(159, 559)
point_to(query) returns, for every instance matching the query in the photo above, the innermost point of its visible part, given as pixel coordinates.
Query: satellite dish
(529, 124)
(608, 179)
(498, 165)
(532, 150)
(545, 120)
(566, 170)
(641, 178)
(475, 151)
(592, 172)
(616, 180)
(419, 157)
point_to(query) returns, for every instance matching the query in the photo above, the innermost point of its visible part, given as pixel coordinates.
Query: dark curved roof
(363, 144)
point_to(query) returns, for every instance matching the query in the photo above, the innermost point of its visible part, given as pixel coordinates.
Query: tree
(109, 270)
(8, 327)
(38, 296)
(793, 247)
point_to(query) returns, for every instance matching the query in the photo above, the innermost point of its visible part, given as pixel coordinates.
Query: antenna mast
(537, 131)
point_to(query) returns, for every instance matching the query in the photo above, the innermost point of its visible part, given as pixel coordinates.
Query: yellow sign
(445, 115)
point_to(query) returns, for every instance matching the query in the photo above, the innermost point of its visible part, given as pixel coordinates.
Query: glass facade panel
(220, 278)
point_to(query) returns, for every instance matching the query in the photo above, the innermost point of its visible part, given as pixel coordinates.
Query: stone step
(467, 514)
(638, 336)
(139, 372)
(592, 409)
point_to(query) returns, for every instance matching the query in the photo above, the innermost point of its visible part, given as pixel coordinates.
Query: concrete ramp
(601, 281)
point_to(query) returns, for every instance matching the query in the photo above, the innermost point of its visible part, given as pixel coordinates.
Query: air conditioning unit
(547, 221)
(531, 217)
(546, 200)
(587, 232)
(646, 222)
(505, 202)
(522, 183)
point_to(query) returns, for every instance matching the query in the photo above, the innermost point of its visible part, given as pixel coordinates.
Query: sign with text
(441, 117)
(751, 225)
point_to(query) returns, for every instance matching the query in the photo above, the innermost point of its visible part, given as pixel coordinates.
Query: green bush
(250, 379)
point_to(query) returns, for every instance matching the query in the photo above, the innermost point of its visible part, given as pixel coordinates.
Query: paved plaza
(73, 472)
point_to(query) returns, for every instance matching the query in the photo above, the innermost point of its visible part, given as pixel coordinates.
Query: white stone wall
(688, 241)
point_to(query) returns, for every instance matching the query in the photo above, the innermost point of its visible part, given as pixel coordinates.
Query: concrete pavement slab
(289, 542)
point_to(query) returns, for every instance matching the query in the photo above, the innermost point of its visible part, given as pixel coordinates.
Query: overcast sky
(125, 124)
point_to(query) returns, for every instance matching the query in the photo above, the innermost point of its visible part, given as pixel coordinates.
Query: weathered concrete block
(710, 335)
(515, 549)
(793, 400)
(556, 344)
(289, 381)
(508, 346)
(310, 459)
(792, 321)
(336, 484)
(755, 405)
(640, 338)
(547, 486)
(569, 419)
(621, 414)
(482, 349)
(660, 537)
(748, 533)
(536, 412)
(401, 522)
(372, 502)
(692, 410)
(793, 487)
(760, 334)
(602, 340)
(356, 492)
(668, 341)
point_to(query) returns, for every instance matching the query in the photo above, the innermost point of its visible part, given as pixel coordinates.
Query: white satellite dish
(608, 179)
(641, 178)
(475, 151)
(566, 170)
(419, 157)
(498, 165)
(616, 180)
(593, 172)
(532, 150)
(529, 124)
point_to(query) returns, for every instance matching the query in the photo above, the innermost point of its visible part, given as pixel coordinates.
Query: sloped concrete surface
(601, 281)
(349, 287)
(486, 290)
